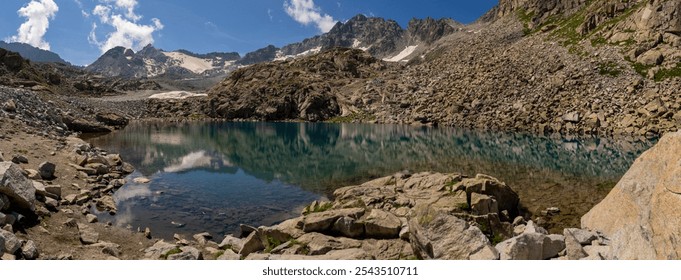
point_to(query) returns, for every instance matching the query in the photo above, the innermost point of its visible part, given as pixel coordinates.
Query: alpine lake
(214, 176)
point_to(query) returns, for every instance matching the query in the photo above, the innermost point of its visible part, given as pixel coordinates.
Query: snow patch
(402, 55)
(280, 56)
(194, 64)
(176, 95)
(357, 44)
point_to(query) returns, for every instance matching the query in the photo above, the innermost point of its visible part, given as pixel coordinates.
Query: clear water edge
(214, 176)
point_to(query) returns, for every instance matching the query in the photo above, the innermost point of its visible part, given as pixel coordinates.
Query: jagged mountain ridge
(32, 53)
(151, 62)
(384, 39)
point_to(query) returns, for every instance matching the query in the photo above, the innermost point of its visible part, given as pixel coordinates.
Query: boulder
(640, 215)
(252, 244)
(112, 119)
(46, 170)
(572, 117)
(12, 242)
(652, 57)
(16, 187)
(319, 244)
(231, 243)
(4, 202)
(322, 221)
(202, 238)
(482, 204)
(188, 254)
(19, 159)
(348, 227)
(159, 249)
(229, 255)
(437, 235)
(382, 224)
(2, 244)
(573, 249)
(506, 198)
(87, 234)
(85, 126)
(531, 246)
(30, 251)
(582, 236)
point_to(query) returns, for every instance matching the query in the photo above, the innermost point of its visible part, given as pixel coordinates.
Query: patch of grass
(304, 248)
(526, 18)
(496, 239)
(171, 252)
(361, 117)
(464, 206)
(609, 69)
(641, 68)
(271, 244)
(598, 41)
(668, 73)
(318, 207)
(219, 254)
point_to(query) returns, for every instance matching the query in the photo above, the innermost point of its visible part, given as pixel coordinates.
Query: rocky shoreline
(403, 216)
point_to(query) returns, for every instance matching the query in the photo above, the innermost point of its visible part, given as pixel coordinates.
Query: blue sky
(80, 30)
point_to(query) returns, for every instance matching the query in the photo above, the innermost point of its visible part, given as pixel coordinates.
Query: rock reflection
(572, 174)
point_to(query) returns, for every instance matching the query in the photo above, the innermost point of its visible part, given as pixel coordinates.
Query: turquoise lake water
(214, 176)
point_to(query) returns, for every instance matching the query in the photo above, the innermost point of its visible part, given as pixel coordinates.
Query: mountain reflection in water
(213, 176)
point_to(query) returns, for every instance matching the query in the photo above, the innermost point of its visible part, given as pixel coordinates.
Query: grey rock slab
(320, 244)
(231, 243)
(12, 242)
(87, 234)
(322, 221)
(30, 251)
(159, 249)
(348, 227)
(437, 235)
(16, 187)
(91, 218)
(251, 244)
(229, 255)
(382, 224)
(583, 236)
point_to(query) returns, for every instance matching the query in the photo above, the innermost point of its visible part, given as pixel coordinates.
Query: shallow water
(214, 176)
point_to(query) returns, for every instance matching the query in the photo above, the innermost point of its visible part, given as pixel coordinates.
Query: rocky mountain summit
(151, 62)
(32, 53)
(384, 39)
(62, 79)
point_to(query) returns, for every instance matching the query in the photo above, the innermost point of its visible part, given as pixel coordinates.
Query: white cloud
(82, 10)
(128, 33)
(38, 15)
(306, 12)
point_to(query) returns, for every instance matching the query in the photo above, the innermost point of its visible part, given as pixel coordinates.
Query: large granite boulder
(437, 235)
(16, 186)
(641, 214)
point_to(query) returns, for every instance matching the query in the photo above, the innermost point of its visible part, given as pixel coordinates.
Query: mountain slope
(151, 62)
(32, 53)
(560, 66)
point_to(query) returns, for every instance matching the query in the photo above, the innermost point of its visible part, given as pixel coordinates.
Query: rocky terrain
(151, 62)
(608, 67)
(570, 67)
(61, 79)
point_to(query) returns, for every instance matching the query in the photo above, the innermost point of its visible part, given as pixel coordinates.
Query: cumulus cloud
(38, 15)
(127, 32)
(306, 12)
